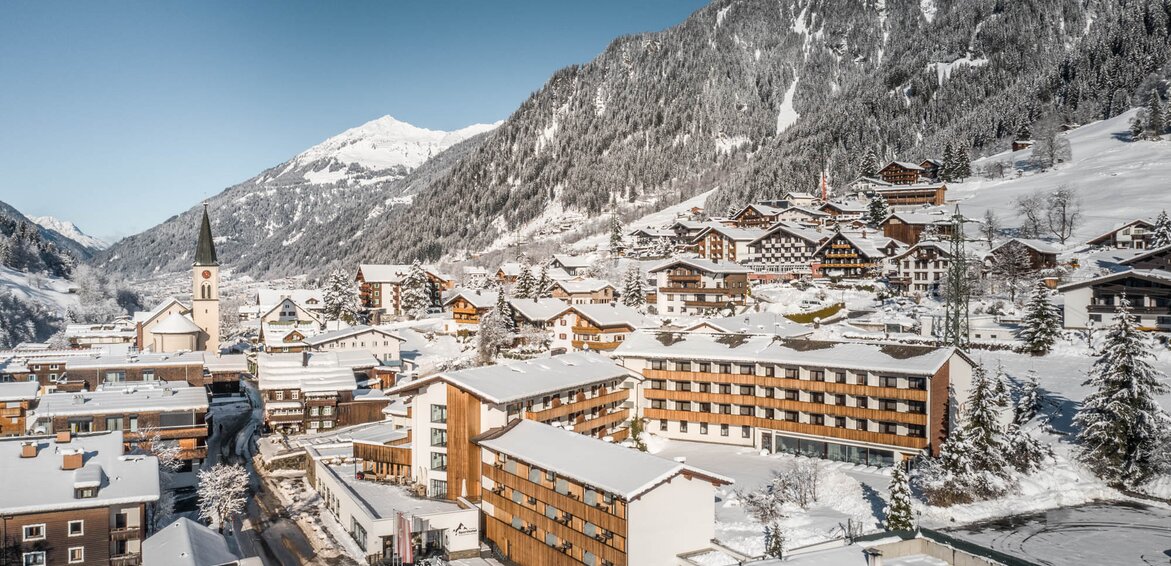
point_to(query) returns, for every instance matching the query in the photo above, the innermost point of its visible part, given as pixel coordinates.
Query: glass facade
(832, 451)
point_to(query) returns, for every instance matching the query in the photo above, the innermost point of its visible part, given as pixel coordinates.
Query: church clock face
(206, 274)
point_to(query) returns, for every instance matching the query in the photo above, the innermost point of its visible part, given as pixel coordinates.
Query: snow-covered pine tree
(947, 170)
(1162, 231)
(416, 292)
(1041, 325)
(986, 401)
(899, 515)
(526, 283)
(340, 298)
(632, 287)
(947, 480)
(505, 309)
(869, 165)
(1025, 452)
(615, 235)
(1124, 432)
(963, 162)
(1155, 125)
(1027, 401)
(543, 283)
(877, 211)
(495, 332)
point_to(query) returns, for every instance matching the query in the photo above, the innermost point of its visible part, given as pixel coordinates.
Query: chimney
(72, 459)
(873, 556)
(64, 437)
(305, 359)
(28, 449)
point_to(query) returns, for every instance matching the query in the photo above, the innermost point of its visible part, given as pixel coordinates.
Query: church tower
(205, 288)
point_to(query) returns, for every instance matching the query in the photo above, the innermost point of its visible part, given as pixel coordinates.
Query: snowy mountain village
(920, 317)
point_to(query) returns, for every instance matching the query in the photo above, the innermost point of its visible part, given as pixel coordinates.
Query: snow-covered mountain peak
(69, 230)
(387, 143)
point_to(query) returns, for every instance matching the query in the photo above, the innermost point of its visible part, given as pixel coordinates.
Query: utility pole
(957, 288)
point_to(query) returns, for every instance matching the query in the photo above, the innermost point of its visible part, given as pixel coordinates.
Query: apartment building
(785, 249)
(583, 291)
(595, 327)
(92, 372)
(311, 391)
(383, 344)
(16, 399)
(75, 499)
(550, 496)
(862, 403)
(587, 393)
(694, 286)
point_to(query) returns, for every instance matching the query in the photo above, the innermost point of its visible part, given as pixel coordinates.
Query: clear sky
(117, 115)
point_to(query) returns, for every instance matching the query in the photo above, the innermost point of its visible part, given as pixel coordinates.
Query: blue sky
(117, 115)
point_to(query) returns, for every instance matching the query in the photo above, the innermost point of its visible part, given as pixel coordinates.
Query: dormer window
(85, 492)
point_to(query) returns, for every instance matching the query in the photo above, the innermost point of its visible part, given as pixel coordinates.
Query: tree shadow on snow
(877, 503)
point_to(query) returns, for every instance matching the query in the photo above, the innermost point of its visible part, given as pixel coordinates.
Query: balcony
(711, 304)
(694, 277)
(126, 560)
(602, 346)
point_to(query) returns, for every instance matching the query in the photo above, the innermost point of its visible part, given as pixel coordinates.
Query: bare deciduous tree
(991, 227)
(1063, 212)
(1031, 209)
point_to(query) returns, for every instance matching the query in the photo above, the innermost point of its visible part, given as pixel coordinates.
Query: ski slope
(1117, 180)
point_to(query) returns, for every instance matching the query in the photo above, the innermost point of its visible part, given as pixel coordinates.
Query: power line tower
(957, 288)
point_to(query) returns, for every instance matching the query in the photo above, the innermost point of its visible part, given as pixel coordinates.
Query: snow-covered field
(49, 291)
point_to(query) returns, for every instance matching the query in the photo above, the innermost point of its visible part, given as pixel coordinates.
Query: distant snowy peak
(69, 230)
(387, 143)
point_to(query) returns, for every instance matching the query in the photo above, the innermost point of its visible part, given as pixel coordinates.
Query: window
(917, 383)
(85, 492)
(747, 390)
(294, 395)
(916, 431)
(176, 419)
(278, 395)
(115, 376)
(148, 375)
(791, 373)
(862, 424)
(439, 489)
(76, 528)
(657, 364)
(723, 430)
(705, 367)
(682, 426)
(663, 426)
(725, 388)
(33, 532)
(745, 431)
(770, 371)
(917, 407)
(817, 375)
(817, 419)
(438, 461)
(683, 386)
(326, 424)
(113, 423)
(888, 428)
(747, 369)
(77, 554)
(327, 411)
(703, 428)
(314, 411)
(439, 414)
(888, 381)
(133, 423)
(840, 377)
(34, 558)
(439, 437)
(725, 368)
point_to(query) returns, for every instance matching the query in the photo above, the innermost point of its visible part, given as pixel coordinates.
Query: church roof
(176, 324)
(205, 249)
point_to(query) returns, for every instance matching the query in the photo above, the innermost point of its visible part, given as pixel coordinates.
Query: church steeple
(205, 249)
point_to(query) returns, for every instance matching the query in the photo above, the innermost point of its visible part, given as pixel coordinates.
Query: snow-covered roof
(902, 359)
(225, 363)
(614, 314)
(1154, 252)
(1157, 275)
(761, 209)
(266, 298)
(909, 188)
(583, 285)
(514, 381)
(147, 316)
(384, 273)
(1040, 246)
(538, 310)
(511, 268)
(125, 399)
(733, 233)
(1108, 235)
(115, 330)
(622, 471)
(316, 371)
(919, 218)
(479, 298)
(327, 337)
(797, 231)
(905, 165)
(38, 484)
(867, 247)
(571, 261)
(763, 322)
(941, 248)
(846, 206)
(187, 543)
(176, 324)
(705, 265)
(19, 391)
(147, 359)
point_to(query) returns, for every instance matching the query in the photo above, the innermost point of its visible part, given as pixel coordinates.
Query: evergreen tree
(416, 292)
(663, 248)
(543, 283)
(505, 309)
(1023, 133)
(526, 283)
(987, 399)
(1155, 124)
(947, 170)
(632, 287)
(877, 211)
(340, 300)
(616, 244)
(1025, 452)
(1124, 432)
(1162, 231)
(1027, 402)
(962, 168)
(494, 333)
(899, 515)
(869, 165)
(1041, 325)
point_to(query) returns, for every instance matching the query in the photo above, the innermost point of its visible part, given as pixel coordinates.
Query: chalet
(901, 173)
(849, 255)
(311, 300)
(380, 286)
(844, 211)
(863, 403)
(581, 291)
(1019, 145)
(931, 168)
(921, 268)
(695, 286)
(756, 216)
(315, 391)
(585, 392)
(763, 323)
(76, 499)
(573, 265)
(800, 198)
(91, 373)
(913, 195)
(803, 215)
(785, 249)
(509, 272)
(383, 344)
(1042, 255)
(1156, 258)
(536, 313)
(467, 306)
(1094, 302)
(725, 242)
(649, 241)
(286, 337)
(143, 414)
(475, 277)
(16, 400)
(287, 310)
(686, 231)
(595, 327)
(546, 499)
(1137, 235)
(908, 227)
(865, 185)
